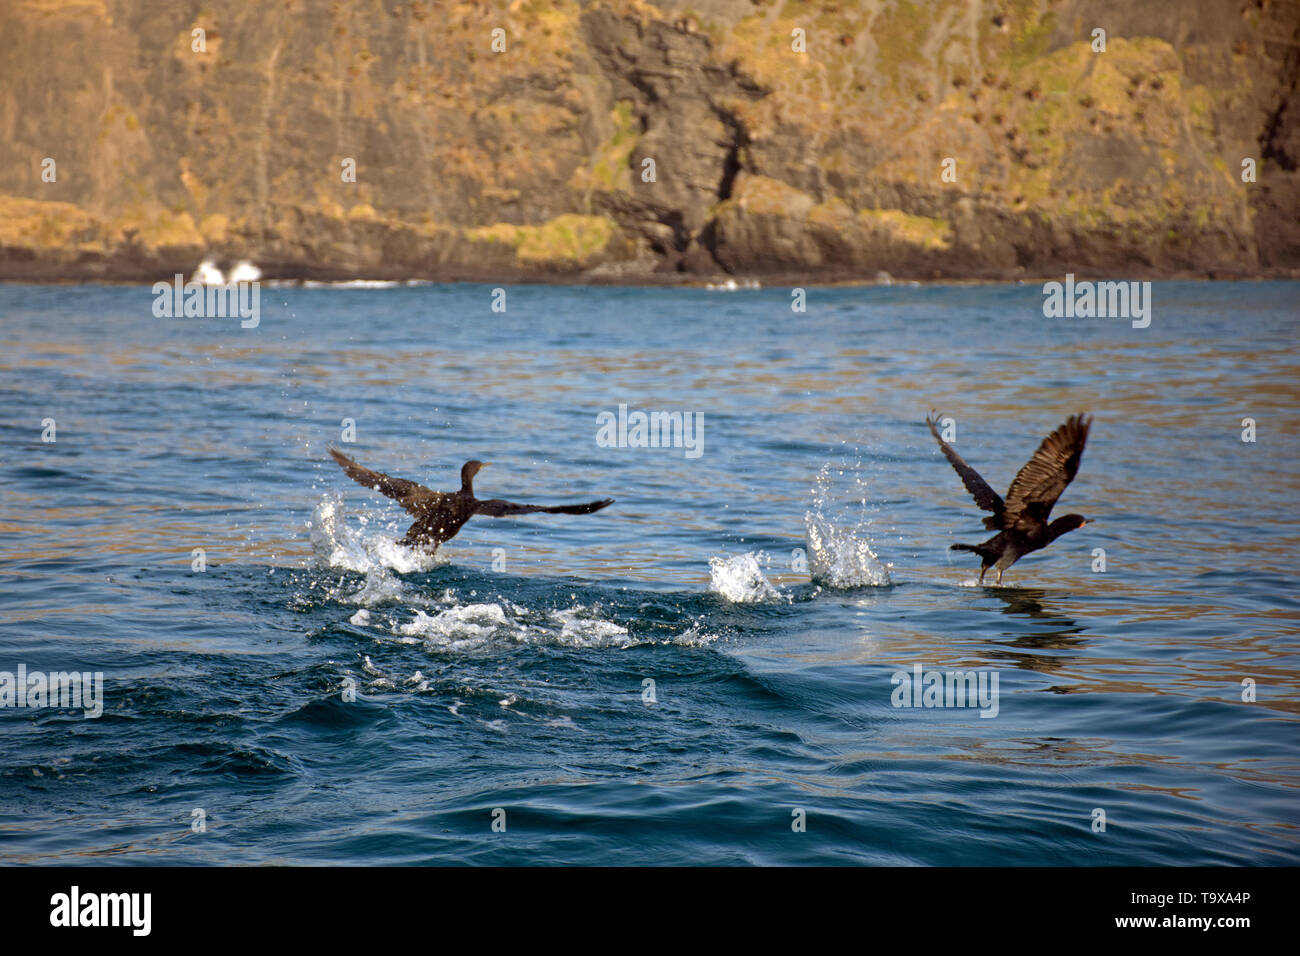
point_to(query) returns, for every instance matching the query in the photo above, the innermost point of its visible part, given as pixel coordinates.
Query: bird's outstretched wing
(496, 508)
(984, 496)
(1045, 475)
(411, 496)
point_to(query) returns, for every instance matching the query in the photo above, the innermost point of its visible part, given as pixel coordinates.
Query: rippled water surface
(769, 588)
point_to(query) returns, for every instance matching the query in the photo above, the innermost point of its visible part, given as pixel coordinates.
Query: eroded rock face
(814, 141)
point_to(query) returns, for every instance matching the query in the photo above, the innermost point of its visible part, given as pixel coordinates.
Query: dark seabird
(1021, 520)
(439, 515)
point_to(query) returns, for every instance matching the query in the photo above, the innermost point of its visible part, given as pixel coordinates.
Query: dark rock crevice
(678, 90)
(731, 164)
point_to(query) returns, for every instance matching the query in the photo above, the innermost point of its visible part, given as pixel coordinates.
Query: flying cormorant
(1021, 520)
(438, 514)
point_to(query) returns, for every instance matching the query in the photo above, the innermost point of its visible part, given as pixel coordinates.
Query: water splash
(731, 285)
(448, 621)
(841, 557)
(210, 274)
(336, 545)
(740, 580)
(840, 554)
(244, 271)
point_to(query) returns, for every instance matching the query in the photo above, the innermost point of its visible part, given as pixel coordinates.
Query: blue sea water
(770, 588)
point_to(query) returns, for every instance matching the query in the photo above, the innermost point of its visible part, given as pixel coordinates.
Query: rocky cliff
(624, 140)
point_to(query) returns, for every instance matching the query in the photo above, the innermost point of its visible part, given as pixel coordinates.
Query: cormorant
(1021, 520)
(438, 514)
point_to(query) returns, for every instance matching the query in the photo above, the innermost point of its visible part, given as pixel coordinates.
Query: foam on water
(352, 284)
(380, 587)
(583, 627)
(740, 580)
(501, 623)
(460, 627)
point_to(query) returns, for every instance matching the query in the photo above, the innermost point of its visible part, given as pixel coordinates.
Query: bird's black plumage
(439, 515)
(1021, 519)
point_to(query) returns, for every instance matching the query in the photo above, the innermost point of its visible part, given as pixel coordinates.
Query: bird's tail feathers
(579, 509)
(979, 549)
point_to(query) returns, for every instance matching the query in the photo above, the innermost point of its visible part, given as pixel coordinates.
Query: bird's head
(469, 470)
(1064, 524)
